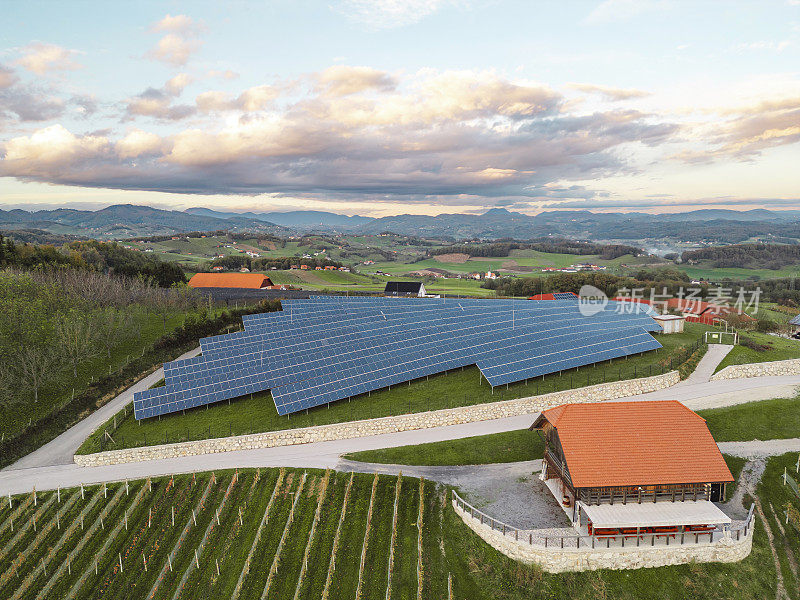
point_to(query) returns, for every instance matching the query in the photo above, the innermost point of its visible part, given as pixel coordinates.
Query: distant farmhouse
(405, 288)
(249, 281)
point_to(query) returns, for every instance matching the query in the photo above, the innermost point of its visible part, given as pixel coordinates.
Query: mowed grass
(776, 348)
(217, 519)
(762, 420)
(508, 446)
(257, 413)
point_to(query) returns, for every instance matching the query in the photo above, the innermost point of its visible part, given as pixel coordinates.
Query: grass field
(762, 420)
(249, 534)
(509, 446)
(776, 348)
(257, 413)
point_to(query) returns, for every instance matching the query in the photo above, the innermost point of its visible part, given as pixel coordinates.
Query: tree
(111, 326)
(76, 334)
(35, 362)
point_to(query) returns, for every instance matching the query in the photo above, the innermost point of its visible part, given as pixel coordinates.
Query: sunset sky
(389, 106)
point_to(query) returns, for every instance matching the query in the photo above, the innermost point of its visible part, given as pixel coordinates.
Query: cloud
(48, 150)
(138, 143)
(388, 14)
(179, 43)
(623, 10)
(343, 80)
(7, 77)
(157, 103)
(251, 100)
(43, 58)
(175, 85)
(453, 135)
(608, 92)
(226, 74)
(748, 131)
(765, 45)
(29, 103)
(176, 24)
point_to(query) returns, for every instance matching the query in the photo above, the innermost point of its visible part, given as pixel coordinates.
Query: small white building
(670, 323)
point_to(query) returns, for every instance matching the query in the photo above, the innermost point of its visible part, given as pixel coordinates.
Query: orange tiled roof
(230, 280)
(636, 443)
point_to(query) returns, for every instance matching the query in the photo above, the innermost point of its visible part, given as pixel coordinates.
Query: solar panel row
(327, 348)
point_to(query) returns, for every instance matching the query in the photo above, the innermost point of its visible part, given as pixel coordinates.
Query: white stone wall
(561, 560)
(778, 367)
(354, 429)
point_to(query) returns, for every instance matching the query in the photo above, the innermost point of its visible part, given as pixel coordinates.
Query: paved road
(51, 466)
(60, 450)
(760, 448)
(705, 368)
(326, 454)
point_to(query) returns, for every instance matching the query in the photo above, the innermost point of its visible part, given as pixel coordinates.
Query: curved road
(51, 466)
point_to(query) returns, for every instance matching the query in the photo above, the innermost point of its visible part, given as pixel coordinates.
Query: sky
(389, 107)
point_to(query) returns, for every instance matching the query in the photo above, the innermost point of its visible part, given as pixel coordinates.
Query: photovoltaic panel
(327, 348)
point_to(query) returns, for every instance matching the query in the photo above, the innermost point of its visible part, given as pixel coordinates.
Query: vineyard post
(144, 560)
(102, 525)
(58, 521)
(216, 560)
(126, 520)
(194, 520)
(9, 500)
(149, 485)
(126, 487)
(34, 494)
(34, 522)
(82, 496)
(95, 565)
(120, 561)
(105, 490)
(196, 559)
(81, 522)
(169, 560)
(69, 565)
(173, 515)
(149, 517)
(58, 493)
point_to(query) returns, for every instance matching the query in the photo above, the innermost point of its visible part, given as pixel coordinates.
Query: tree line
(550, 246)
(91, 255)
(746, 256)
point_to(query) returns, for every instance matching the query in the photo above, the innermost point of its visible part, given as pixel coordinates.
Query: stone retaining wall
(354, 429)
(561, 560)
(778, 367)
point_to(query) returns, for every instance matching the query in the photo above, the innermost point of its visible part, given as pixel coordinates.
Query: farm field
(309, 534)
(719, 273)
(256, 413)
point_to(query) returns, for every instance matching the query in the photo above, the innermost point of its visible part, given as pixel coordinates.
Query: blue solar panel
(327, 348)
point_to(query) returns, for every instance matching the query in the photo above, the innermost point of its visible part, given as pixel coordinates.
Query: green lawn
(218, 519)
(509, 446)
(256, 413)
(763, 420)
(776, 348)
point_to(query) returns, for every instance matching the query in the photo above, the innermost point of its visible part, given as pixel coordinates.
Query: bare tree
(76, 335)
(35, 362)
(112, 325)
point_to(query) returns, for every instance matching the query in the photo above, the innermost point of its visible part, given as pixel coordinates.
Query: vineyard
(293, 534)
(247, 534)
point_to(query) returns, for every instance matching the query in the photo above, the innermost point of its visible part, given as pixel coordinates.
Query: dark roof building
(405, 288)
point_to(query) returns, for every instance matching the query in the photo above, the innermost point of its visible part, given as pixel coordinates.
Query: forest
(746, 256)
(556, 246)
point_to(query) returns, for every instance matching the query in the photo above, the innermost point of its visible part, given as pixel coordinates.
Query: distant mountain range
(127, 220)
(295, 218)
(707, 225)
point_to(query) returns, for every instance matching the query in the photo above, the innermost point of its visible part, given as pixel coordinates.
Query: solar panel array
(327, 348)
